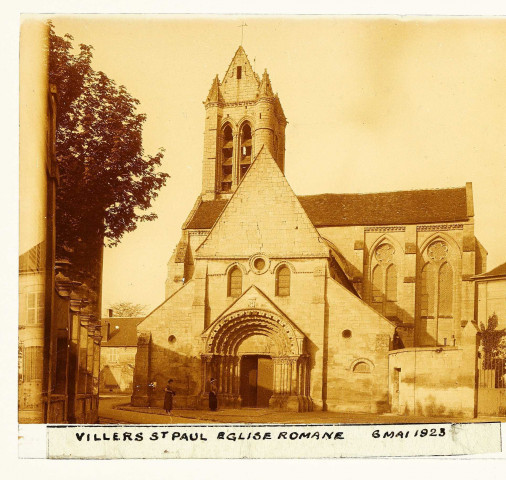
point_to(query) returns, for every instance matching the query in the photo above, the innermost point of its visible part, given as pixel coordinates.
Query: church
(338, 302)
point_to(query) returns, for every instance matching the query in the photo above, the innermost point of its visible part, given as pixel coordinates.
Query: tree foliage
(492, 341)
(107, 182)
(127, 309)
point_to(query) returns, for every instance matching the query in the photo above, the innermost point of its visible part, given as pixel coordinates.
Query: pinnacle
(265, 88)
(214, 92)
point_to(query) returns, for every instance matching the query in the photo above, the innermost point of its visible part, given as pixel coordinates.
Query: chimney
(106, 331)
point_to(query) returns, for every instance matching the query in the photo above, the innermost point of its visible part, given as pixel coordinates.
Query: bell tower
(242, 114)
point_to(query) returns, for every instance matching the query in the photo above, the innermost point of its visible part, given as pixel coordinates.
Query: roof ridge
(389, 191)
(231, 197)
(493, 272)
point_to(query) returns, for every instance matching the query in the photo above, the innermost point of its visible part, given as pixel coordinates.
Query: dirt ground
(116, 410)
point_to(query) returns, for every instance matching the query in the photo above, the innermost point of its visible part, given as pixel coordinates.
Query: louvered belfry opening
(227, 154)
(245, 155)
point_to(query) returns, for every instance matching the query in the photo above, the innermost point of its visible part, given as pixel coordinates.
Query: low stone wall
(433, 381)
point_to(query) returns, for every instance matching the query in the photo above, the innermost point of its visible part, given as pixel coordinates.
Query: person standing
(213, 399)
(169, 394)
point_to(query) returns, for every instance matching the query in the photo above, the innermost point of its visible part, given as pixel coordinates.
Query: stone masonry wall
(175, 347)
(357, 334)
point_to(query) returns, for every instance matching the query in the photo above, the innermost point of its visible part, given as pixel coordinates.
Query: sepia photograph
(276, 220)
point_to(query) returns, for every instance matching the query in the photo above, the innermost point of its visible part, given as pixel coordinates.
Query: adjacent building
(491, 318)
(118, 349)
(58, 338)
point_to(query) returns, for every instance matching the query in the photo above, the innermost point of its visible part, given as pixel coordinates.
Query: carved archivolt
(226, 335)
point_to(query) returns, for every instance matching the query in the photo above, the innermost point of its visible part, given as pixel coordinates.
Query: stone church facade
(342, 302)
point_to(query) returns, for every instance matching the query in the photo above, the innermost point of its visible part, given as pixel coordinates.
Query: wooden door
(264, 381)
(249, 373)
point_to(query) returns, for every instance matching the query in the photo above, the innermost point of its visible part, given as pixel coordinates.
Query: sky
(373, 104)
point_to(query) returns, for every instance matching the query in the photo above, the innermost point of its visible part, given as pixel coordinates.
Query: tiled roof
(388, 208)
(495, 272)
(123, 331)
(206, 214)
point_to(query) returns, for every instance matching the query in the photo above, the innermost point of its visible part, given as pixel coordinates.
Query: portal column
(228, 378)
(293, 379)
(276, 400)
(219, 371)
(237, 382)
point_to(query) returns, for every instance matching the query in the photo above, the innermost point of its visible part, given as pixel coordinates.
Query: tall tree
(107, 182)
(492, 341)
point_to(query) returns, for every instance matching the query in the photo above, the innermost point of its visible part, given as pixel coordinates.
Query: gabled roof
(123, 331)
(386, 208)
(260, 212)
(261, 302)
(498, 271)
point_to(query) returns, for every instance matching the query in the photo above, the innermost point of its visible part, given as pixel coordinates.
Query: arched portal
(260, 355)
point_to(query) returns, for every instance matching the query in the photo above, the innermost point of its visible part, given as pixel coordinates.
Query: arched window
(427, 291)
(246, 146)
(391, 289)
(283, 281)
(227, 154)
(384, 280)
(235, 282)
(362, 367)
(435, 323)
(377, 286)
(445, 296)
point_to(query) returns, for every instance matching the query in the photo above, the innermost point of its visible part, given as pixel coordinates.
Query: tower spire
(242, 115)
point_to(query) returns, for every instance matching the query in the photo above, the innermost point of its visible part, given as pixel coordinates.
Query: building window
(35, 307)
(377, 287)
(384, 281)
(427, 291)
(113, 356)
(283, 281)
(391, 282)
(32, 370)
(227, 154)
(445, 294)
(235, 282)
(391, 292)
(434, 325)
(239, 73)
(246, 145)
(362, 367)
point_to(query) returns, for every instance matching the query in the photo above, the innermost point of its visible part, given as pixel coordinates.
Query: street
(116, 410)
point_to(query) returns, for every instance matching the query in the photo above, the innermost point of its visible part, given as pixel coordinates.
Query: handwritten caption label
(270, 441)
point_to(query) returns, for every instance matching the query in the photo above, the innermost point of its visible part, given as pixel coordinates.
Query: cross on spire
(242, 30)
